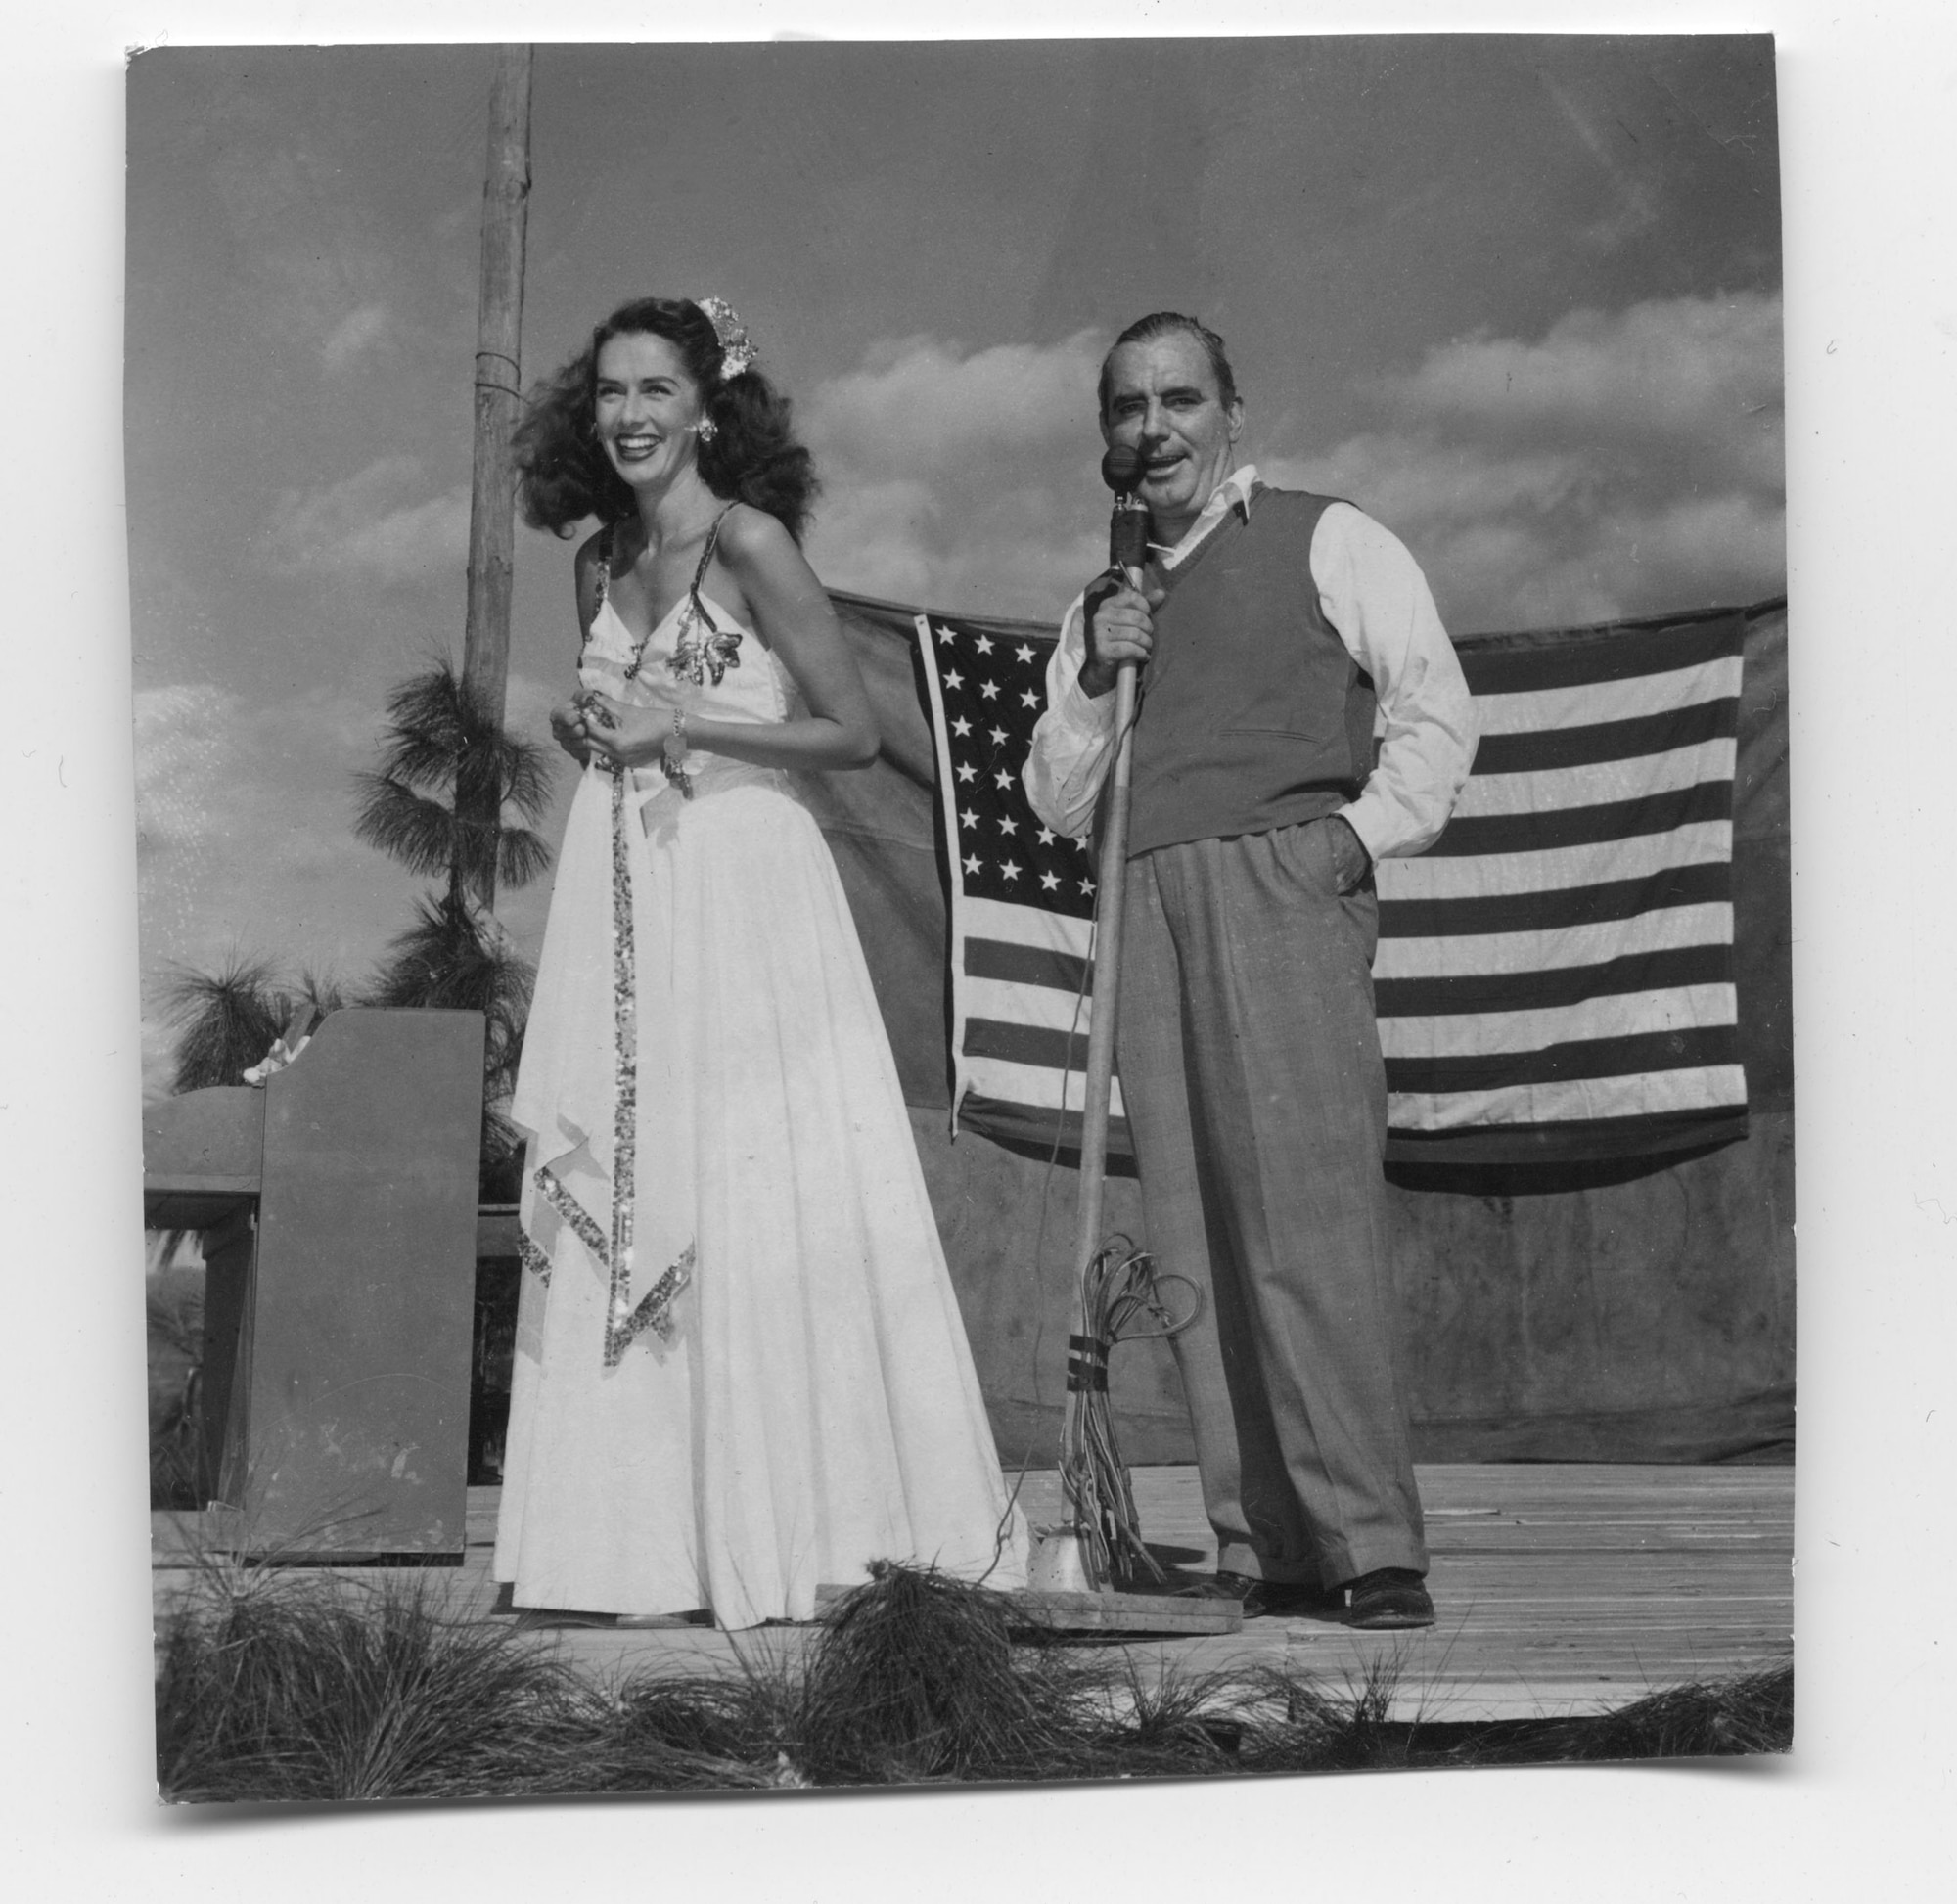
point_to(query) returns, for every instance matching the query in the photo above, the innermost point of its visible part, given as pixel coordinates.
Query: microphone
(1121, 471)
(1128, 527)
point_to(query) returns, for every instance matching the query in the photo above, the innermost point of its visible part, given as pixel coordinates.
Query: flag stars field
(983, 763)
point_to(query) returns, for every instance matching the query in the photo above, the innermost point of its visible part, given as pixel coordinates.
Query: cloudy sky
(1520, 298)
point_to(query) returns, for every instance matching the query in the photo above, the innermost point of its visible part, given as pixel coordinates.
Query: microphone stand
(1113, 880)
(1093, 1479)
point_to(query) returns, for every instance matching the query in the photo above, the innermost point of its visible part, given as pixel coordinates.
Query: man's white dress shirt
(1373, 593)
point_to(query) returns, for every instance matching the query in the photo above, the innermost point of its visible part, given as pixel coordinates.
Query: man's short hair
(1163, 323)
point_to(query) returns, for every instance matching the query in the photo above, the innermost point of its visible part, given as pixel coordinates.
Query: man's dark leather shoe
(1274, 1599)
(1388, 1596)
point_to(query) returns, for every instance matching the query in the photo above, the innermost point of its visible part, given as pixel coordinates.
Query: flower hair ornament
(738, 354)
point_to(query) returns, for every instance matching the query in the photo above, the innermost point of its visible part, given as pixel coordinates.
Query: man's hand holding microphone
(1118, 628)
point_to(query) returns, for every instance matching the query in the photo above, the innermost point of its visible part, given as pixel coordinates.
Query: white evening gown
(747, 1376)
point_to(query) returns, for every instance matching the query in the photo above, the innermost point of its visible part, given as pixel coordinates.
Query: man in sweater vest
(1278, 632)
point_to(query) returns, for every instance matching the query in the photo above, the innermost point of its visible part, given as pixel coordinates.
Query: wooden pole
(1099, 1083)
(499, 329)
(1078, 1482)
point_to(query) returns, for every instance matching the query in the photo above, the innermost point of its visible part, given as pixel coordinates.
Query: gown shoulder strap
(705, 563)
(601, 584)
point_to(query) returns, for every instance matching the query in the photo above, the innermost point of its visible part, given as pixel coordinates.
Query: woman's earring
(708, 430)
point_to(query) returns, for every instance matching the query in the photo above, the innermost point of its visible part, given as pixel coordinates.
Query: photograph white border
(1871, 343)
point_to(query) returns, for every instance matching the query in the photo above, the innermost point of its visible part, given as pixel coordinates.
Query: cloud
(159, 1056)
(916, 404)
(1697, 374)
(372, 522)
(218, 787)
(954, 479)
(357, 332)
(244, 846)
(183, 735)
(1622, 464)
(527, 705)
(189, 805)
(881, 538)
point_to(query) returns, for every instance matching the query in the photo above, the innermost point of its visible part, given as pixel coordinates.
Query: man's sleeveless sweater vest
(1252, 714)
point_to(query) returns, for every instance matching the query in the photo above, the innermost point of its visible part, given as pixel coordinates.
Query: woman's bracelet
(675, 755)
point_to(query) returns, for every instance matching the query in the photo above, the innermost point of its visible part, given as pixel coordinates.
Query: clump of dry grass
(273, 1690)
(1734, 1718)
(288, 1687)
(914, 1678)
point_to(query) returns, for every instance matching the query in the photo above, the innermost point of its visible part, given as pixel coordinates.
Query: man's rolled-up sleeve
(1071, 740)
(1373, 593)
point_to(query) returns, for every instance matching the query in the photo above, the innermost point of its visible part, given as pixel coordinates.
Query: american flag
(1022, 898)
(1555, 975)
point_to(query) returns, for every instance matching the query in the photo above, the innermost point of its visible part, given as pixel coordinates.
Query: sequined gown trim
(626, 1320)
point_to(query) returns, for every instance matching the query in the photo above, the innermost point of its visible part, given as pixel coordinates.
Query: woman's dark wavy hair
(564, 476)
(1165, 324)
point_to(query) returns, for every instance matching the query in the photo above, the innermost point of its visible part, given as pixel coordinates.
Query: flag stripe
(1028, 924)
(1699, 1047)
(1555, 870)
(1050, 1007)
(1542, 749)
(1044, 1129)
(1667, 929)
(1469, 836)
(1549, 704)
(1520, 874)
(1600, 783)
(1557, 909)
(1590, 1021)
(1028, 965)
(1534, 989)
(1654, 1092)
(1039, 1085)
(1607, 656)
(1018, 1043)
(1667, 1094)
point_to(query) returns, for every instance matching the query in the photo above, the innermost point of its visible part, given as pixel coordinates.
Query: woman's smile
(635, 446)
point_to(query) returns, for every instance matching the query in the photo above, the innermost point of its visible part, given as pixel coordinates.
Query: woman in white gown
(741, 1370)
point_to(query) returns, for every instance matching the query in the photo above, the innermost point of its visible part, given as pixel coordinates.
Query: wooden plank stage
(1560, 1589)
